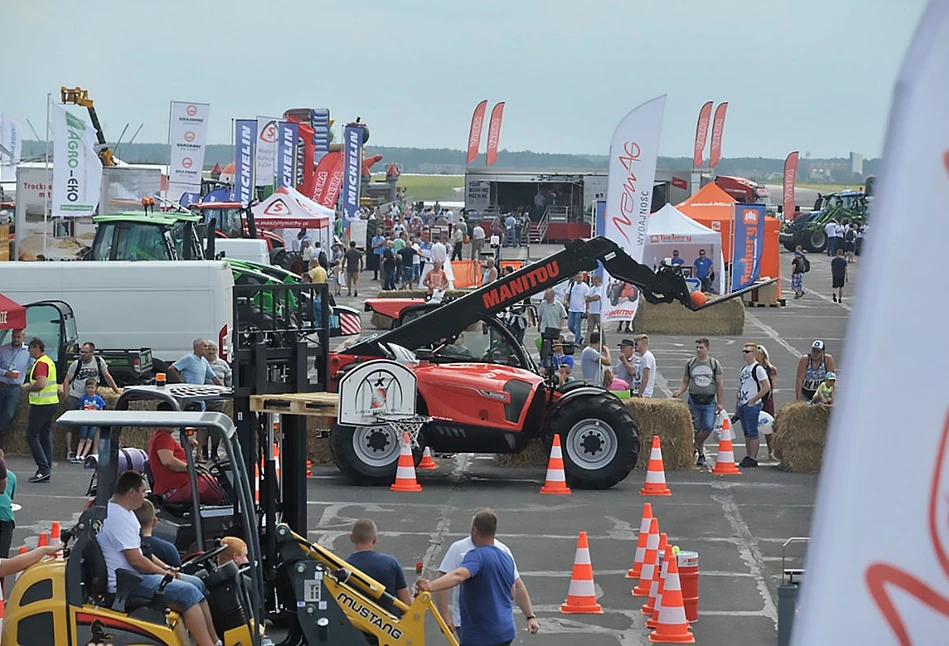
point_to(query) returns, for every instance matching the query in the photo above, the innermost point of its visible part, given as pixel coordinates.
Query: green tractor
(808, 230)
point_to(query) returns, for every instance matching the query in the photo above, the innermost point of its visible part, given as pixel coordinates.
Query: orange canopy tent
(715, 208)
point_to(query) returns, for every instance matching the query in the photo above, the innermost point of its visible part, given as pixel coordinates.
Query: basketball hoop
(405, 426)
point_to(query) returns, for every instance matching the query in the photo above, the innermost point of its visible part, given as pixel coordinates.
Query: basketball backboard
(379, 387)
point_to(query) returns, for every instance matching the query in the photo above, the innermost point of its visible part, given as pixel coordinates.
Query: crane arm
(443, 323)
(80, 97)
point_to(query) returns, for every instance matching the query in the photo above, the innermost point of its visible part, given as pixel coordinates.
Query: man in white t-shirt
(477, 241)
(576, 300)
(594, 303)
(452, 560)
(830, 230)
(647, 366)
(74, 385)
(121, 544)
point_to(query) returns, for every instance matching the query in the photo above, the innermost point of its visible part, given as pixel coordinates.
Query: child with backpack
(800, 265)
(88, 434)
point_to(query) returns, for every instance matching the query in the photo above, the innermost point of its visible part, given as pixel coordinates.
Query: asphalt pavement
(736, 524)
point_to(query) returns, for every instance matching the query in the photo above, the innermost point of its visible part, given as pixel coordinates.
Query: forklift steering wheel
(192, 565)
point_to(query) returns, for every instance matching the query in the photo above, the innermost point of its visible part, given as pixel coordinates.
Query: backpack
(754, 375)
(98, 368)
(807, 264)
(850, 236)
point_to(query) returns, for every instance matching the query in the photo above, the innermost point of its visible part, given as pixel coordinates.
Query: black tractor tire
(815, 241)
(599, 439)
(358, 465)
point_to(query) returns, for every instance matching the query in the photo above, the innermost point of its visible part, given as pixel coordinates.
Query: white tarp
(11, 145)
(187, 136)
(77, 169)
(671, 230)
(287, 211)
(266, 160)
(877, 568)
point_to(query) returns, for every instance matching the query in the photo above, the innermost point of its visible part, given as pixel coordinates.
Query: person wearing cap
(798, 267)
(627, 363)
(825, 392)
(812, 369)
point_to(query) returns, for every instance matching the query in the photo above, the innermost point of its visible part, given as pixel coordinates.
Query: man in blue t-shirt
(703, 269)
(194, 368)
(676, 260)
(384, 568)
(486, 576)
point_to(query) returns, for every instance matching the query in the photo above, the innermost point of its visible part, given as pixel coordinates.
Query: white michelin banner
(77, 169)
(634, 152)
(877, 567)
(188, 137)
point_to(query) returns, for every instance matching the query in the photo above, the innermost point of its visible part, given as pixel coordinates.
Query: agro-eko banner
(77, 169)
(245, 138)
(287, 135)
(352, 170)
(748, 245)
(187, 136)
(634, 151)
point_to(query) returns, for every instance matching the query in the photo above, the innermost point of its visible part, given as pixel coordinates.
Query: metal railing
(537, 231)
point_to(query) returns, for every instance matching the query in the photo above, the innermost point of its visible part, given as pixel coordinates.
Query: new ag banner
(287, 135)
(77, 169)
(187, 135)
(11, 145)
(245, 138)
(634, 151)
(748, 245)
(352, 170)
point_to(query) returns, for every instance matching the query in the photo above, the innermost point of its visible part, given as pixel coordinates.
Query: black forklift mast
(665, 286)
(278, 349)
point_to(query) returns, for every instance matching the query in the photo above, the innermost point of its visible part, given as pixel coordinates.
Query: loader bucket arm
(665, 286)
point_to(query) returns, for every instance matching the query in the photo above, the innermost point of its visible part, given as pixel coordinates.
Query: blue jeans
(181, 594)
(575, 325)
(88, 432)
(703, 415)
(748, 416)
(831, 245)
(318, 311)
(9, 398)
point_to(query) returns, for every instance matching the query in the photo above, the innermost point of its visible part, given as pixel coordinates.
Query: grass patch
(429, 187)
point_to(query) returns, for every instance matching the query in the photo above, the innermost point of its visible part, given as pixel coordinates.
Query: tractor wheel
(367, 455)
(600, 440)
(815, 241)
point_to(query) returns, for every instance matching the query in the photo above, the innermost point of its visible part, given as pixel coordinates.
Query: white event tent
(669, 229)
(287, 211)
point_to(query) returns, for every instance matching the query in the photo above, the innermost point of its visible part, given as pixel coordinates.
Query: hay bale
(726, 319)
(418, 293)
(800, 432)
(381, 321)
(668, 418)
(14, 440)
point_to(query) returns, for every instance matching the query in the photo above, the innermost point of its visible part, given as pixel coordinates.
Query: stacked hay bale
(727, 319)
(14, 442)
(667, 418)
(800, 433)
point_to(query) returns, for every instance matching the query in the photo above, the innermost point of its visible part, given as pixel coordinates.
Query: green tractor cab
(808, 231)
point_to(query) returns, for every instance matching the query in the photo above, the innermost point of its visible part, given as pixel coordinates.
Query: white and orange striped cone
(672, 626)
(581, 597)
(656, 473)
(556, 481)
(650, 605)
(276, 462)
(23, 550)
(3, 611)
(653, 621)
(649, 561)
(427, 463)
(405, 473)
(54, 536)
(43, 540)
(725, 462)
(636, 570)
(256, 484)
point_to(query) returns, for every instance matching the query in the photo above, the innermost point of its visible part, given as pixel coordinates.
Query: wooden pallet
(780, 303)
(313, 404)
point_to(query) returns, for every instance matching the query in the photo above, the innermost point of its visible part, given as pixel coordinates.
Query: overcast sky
(813, 75)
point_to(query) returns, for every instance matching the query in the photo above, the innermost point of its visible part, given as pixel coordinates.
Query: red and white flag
(790, 179)
(878, 563)
(701, 134)
(494, 133)
(634, 152)
(474, 133)
(718, 127)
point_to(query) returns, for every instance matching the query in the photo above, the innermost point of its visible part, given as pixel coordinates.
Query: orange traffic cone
(672, 627)
(405, 473)
(656, 474)
(556, 482)
(276, 462)
(653, 621)
(636, 570)
(427, 461)
(725, 463)
(54, 532)
(2, 609)
(649, 560)
(23, 550)
(650, 605)
(257, 484)
(581, 597)
(43, 539)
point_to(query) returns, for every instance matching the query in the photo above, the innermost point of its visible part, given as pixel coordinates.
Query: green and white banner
(77, 169)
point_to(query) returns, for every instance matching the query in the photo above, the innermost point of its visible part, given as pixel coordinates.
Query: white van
(163, 305)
